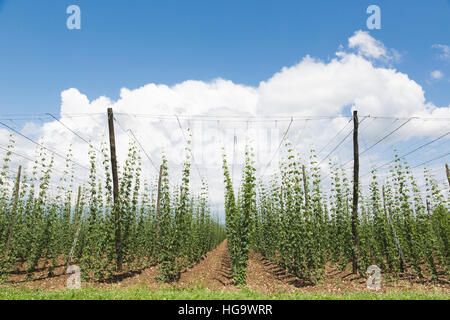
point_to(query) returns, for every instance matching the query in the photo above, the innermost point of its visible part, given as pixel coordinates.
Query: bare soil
(213, 271)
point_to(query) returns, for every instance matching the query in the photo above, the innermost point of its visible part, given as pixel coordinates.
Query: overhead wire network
(211, 117)
(128, 132)
(54, 151)
(279, 147)
(233, 118)
(389, 134)
(192, 153)
(250, 119)
(411, 152)
(337, 135)
(339, 144)
(42, 146)
(381, 140)
(306, 119)
(75, 133)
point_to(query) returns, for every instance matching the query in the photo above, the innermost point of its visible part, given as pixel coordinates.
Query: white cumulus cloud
(436, 74)
(444, 51)
(367, 45)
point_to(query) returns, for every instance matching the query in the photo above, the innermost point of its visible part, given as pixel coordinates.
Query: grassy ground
(204, 294)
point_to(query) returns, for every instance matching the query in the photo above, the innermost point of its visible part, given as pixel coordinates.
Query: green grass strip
(205, 294)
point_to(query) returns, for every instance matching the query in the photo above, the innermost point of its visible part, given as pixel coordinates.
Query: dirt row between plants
(266, 277)
(213, 271)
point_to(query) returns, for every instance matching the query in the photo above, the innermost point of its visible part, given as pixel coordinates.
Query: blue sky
(132, 43)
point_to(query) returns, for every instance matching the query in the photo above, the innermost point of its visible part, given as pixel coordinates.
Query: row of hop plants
(297, 225)
(57, 227)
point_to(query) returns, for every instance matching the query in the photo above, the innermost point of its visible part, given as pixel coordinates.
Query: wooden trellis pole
(112, 143)
(448, 173)
(355, 250)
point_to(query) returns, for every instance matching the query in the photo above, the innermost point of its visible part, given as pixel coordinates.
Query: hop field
(293, 224)
(45, 229)
(285, 234)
